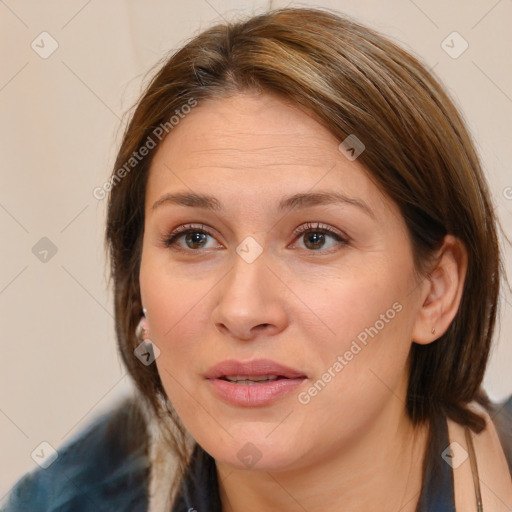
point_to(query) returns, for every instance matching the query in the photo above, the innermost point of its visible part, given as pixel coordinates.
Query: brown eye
(314, 240)
(194, 237)
(315, 237)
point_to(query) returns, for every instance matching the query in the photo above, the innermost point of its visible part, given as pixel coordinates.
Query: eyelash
(170, 239)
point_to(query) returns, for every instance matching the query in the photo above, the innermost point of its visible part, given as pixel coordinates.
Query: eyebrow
(296, 201)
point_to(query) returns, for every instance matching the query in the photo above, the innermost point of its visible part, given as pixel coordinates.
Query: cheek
(360, 338)
(359, 307)
(362, 364)
(171, 305)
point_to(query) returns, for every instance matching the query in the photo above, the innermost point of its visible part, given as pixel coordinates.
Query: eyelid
(169, 239)
(318, 226)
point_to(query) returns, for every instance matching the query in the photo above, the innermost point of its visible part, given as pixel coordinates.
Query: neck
(382, 471)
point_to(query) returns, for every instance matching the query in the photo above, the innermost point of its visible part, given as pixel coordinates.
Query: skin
(352, 446)
(493, 471)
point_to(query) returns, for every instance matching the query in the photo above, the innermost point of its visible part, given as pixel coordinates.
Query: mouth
(253, 383)
(257, 369)
(249, 380)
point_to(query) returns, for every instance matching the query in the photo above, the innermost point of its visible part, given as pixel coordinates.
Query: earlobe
(142, 329)
(442, 292)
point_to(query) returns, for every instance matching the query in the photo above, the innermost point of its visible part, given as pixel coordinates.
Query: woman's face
(270, 269)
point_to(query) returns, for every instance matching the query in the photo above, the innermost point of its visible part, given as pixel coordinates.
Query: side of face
(342, 308)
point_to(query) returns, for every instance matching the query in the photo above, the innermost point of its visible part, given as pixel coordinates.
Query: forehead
(254, 147)
(264, 125)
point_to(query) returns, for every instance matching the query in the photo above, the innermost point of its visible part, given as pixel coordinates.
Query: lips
(251, 379)
(258, 368)
(253, 383)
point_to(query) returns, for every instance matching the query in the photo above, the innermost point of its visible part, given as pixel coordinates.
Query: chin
(255, 452)
(250, 458)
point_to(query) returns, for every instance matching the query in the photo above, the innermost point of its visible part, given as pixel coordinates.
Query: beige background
(60, 121)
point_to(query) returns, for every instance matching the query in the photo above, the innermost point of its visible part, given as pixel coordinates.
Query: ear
(142, 330)
(441, 292)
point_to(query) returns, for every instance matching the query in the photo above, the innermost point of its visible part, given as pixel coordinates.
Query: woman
(306, 274)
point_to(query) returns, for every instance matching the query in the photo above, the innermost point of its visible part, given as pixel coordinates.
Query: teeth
(244, 379)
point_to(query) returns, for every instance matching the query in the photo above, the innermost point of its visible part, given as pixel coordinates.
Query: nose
(250, 301)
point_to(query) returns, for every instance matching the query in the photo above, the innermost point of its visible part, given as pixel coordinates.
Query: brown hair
(418, 151)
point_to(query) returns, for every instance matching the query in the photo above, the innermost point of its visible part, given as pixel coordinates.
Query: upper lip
(254, 368)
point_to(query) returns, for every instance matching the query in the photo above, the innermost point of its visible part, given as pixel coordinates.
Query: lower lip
(253, 395)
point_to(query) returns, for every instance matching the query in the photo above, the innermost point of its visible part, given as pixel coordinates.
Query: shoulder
(493, 458)
(105, 463)
(501, 415)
